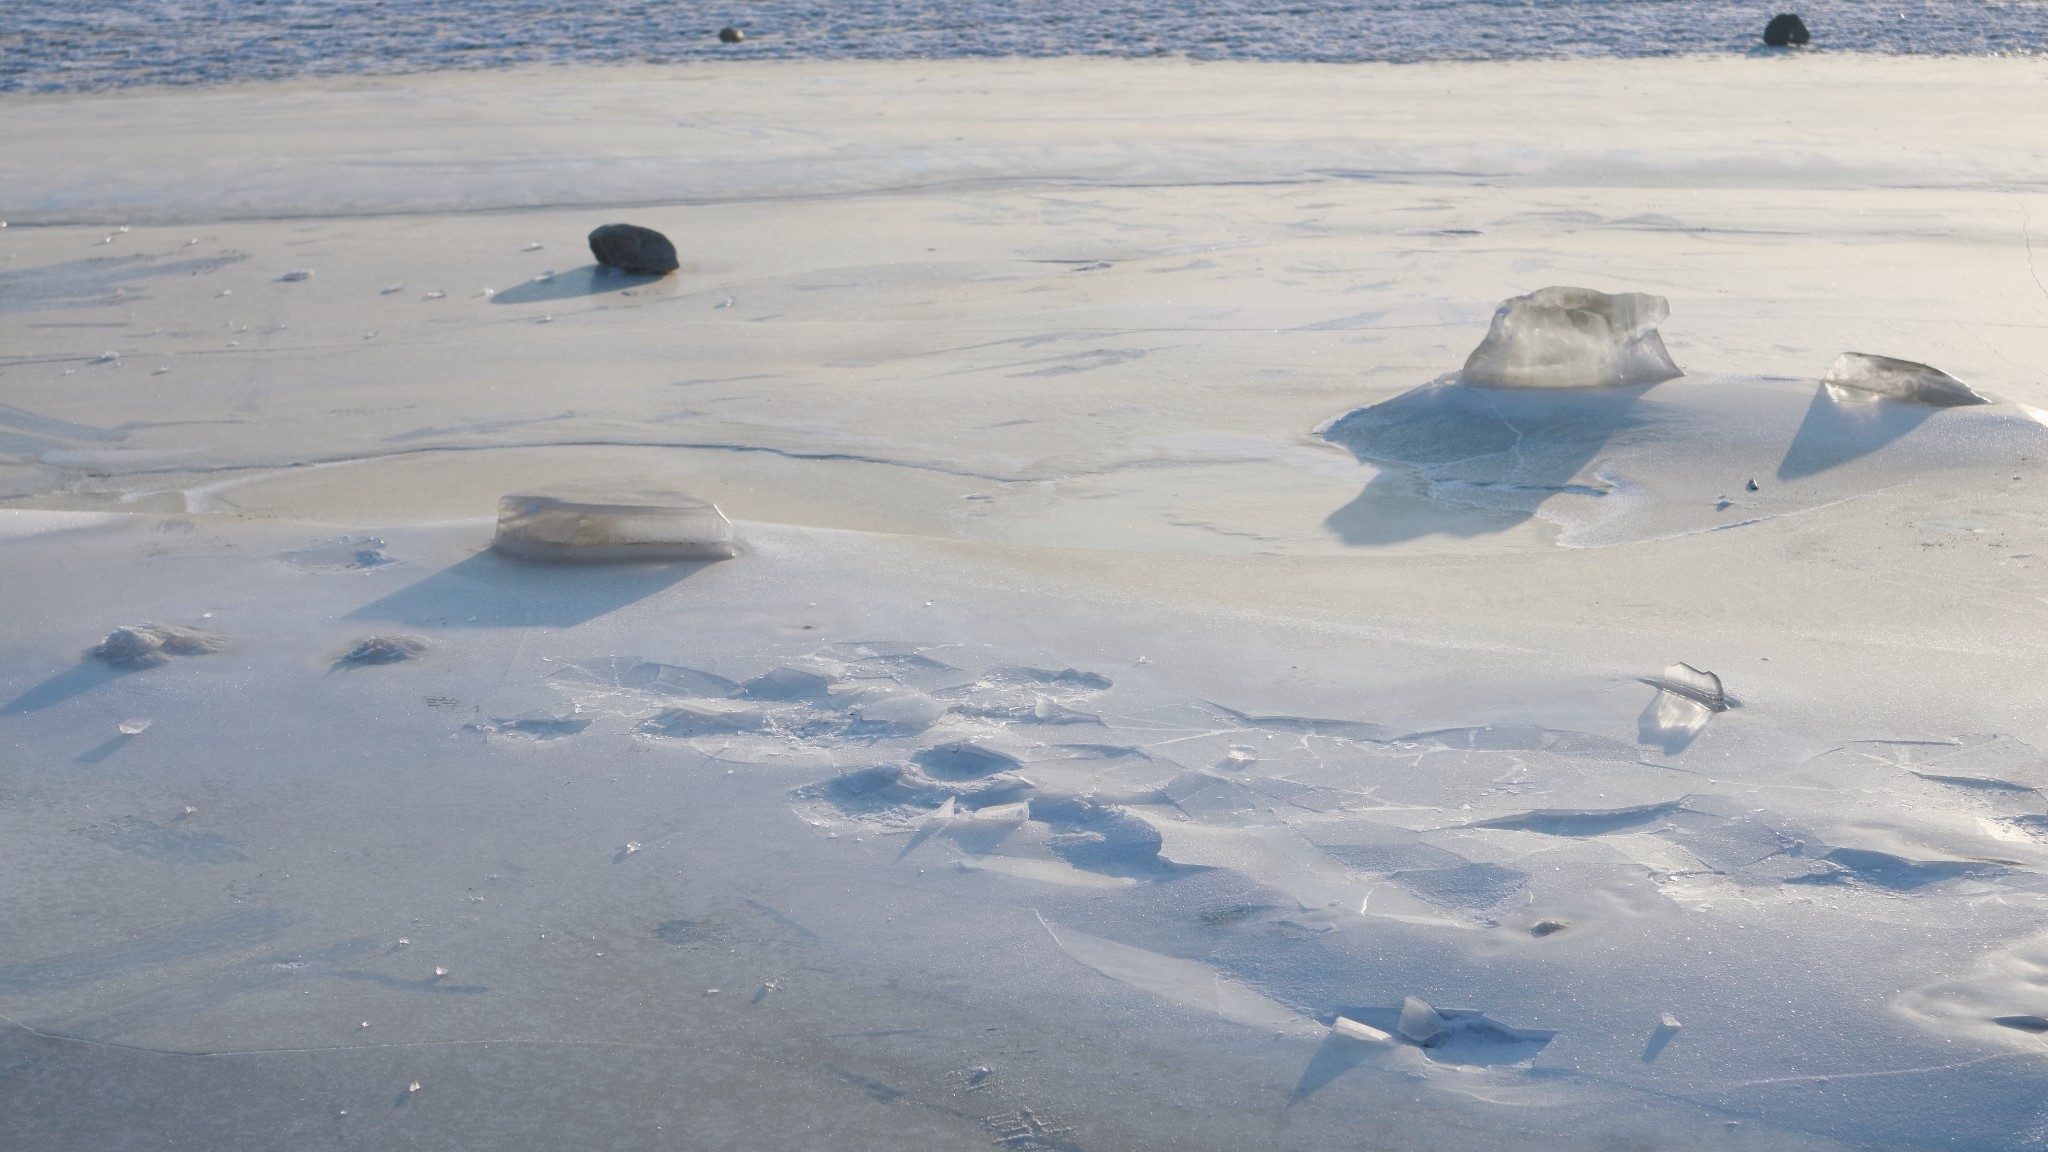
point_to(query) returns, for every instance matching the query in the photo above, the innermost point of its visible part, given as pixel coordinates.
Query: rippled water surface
(73, 44)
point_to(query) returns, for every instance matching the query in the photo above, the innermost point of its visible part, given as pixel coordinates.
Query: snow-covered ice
(1160, 708)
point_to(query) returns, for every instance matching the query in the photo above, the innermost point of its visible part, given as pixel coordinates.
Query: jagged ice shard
(1857, 376)
(1573, 338)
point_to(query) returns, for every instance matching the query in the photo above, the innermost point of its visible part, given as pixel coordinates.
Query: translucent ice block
(1856, 376)
(1573, 338)
(577, 528)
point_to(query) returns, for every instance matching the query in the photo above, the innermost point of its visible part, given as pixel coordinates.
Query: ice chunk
(134, 727)
(148, 645)
(1702, 688)
(1351, 1029)
(686, 720)
(2022, 1023)
(383, 650)
(1573, 338)
(787, 683)
(620, 527)
(1856, 376)
(1669, 1022)
(1420, 1023)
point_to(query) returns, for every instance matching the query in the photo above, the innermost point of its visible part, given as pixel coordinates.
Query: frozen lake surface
(1169, 694)
(110, 43)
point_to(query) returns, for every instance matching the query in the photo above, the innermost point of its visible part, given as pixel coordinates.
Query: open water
(59, 45)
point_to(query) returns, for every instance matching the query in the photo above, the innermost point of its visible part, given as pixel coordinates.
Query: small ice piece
(1702, 688)
(1668, 1022)
(160, 371)
(1420, 1023)
(390, 289)
(134, 727)
(1548, 927)
(533, 247)
(632, 846)
(383, 650)
(1856, 376)
(148, 645)
(786, 683)
(106, 358)
(1573, 338)
(1239, 758)
(621, 527)
(439, 972)
(1351, 1029)
(296, 275)
(412, 1087)
(434, 295)
(1749, 487)
(2023, 1023)
(544, 277)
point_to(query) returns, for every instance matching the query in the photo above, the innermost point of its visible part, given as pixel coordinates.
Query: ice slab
(1561, 337)
(1420, 1023)
(148, 645)
(1858, 376)
(579, 527)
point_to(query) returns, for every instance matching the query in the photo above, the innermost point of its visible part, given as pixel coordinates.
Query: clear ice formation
(572, 527)
(1420, 1023)
(1702, 688)
(1573, 338)
(1857, 376)
(148, 645)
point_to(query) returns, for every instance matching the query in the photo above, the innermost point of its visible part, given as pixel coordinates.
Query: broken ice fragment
(622, 527)
(1239, 758)
(135, 727)
(786, 683)
(1702, 688)
(1573, 338)
(413, 1087)
(1420, 1023)
(298, 274)
(1856, 376)
(439, 972)
(687, 720)
(1547, 927)
(148, 645)
(1352, 1029)
(383, 650)
(1668, 1022)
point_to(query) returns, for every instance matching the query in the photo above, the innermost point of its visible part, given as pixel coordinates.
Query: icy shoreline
(1141, 654)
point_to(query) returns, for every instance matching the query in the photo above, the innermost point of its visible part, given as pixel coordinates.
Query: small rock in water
(135, 727)
(383, 650)
(1856, 376)
(1573, 338)
(730, 35)
(621, 527)
(633, 248)
(1420, 1023)
(296, 275)
(148, 645)
(1785, 30)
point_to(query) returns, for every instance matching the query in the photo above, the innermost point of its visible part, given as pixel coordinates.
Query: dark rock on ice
(1750, 487)
(1856, 376)
(730, 35)
(148, 645)
(633, 248)
(1785, 30)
